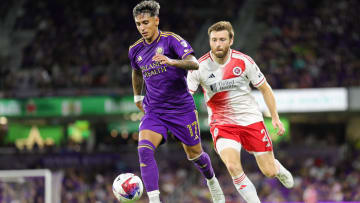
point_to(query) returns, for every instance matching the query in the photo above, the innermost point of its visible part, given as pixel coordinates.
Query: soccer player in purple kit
(161, 60)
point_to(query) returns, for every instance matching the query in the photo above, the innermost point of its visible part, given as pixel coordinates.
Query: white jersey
(226, 88)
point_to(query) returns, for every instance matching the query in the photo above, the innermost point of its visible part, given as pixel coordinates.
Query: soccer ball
(127, 188)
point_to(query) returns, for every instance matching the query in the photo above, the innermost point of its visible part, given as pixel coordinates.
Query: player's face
(147, 26)
(220, 43)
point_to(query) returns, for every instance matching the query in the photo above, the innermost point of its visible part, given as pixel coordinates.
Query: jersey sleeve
(193, 80)
(132, 59)
(180, 46)
(254, 74)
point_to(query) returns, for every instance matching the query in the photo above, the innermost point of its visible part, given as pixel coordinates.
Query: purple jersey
(166, 88)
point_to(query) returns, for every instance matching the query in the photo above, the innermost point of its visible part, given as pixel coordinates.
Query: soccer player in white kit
(234, 117)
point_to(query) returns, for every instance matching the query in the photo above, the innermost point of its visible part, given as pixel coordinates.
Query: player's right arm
(137, 83)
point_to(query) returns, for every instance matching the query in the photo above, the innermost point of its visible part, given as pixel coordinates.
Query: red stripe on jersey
(244, 55)
(203, 57)
(259, 82)
(228, 71)
(218, 104)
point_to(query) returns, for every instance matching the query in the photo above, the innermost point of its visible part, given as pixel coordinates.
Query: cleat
(216, 192)
(284, 176)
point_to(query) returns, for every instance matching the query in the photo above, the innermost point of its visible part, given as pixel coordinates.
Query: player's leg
(255, 138)
(202, 162)
(271, 167)
(186, 128)
(229, 151)
(151, 135)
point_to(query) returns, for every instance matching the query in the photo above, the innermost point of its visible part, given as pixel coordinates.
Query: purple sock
(148, 166)
(203, 164)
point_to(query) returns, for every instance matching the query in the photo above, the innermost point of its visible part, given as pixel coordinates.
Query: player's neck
(222, 60)
(153, 38)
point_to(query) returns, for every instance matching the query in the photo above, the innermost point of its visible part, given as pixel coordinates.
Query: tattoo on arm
(188, 63)
(137, 82)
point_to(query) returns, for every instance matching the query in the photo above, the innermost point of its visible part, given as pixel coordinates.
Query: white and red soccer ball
(127, 188)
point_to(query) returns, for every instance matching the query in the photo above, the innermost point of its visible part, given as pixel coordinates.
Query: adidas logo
(212, 75)
(242, 187)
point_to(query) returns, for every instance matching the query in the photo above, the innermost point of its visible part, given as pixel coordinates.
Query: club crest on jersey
(139, 58)
(159, 50)
(237, 71)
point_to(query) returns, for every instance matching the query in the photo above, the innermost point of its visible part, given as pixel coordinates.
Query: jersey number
(190, 127)
(265, 138)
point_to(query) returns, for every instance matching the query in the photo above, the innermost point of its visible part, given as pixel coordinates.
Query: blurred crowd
(310, 43)
(79, 45)
(316, 179)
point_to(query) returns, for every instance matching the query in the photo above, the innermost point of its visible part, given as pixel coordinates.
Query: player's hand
(278, 126)
(162, 59)
(140, 106)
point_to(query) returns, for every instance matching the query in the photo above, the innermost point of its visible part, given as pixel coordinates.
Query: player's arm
(269, 98)
(188, 63)
(137, 83)
(193, 80)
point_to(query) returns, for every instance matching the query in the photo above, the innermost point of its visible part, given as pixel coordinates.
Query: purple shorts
(184, 126)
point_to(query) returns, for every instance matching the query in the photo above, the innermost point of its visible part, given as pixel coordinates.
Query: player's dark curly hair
(149, 6)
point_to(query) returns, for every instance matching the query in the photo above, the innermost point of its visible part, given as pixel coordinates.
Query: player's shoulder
(138, 44)
(204, 59)
(170, 35)
(239, 55)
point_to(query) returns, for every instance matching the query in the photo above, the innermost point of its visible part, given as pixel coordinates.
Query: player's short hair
(222, 25)
(149, 6)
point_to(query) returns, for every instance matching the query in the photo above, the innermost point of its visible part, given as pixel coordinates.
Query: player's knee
(233, 167)
(146, 151)
(269, 172)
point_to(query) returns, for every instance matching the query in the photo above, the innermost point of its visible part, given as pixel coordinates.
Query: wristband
(138, 98)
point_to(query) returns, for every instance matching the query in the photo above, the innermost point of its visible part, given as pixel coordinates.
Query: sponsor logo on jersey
(212, 75)
(223, 85)
(159, 50)
(237, 71)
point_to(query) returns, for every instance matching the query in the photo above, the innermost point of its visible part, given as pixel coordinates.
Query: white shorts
(223, 143)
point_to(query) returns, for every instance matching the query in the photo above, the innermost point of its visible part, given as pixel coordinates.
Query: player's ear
(231, 41)
(157, 20)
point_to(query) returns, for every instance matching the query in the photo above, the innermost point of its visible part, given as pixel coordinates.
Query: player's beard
(221, 53)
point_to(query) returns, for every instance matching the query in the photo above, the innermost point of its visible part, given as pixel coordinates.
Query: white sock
(154, 196)
(246, 188)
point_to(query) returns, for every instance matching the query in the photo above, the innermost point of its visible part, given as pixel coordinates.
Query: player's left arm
(187, 63)
(270, 101)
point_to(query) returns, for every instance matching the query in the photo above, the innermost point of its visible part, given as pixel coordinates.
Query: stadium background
(66, 97)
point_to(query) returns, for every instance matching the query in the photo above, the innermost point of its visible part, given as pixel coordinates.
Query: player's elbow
(195, 66)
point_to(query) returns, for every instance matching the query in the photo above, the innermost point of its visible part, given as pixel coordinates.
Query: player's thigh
(266, 163)
(185, 127)
(229, 151)
(152, 129)
(255, 138)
